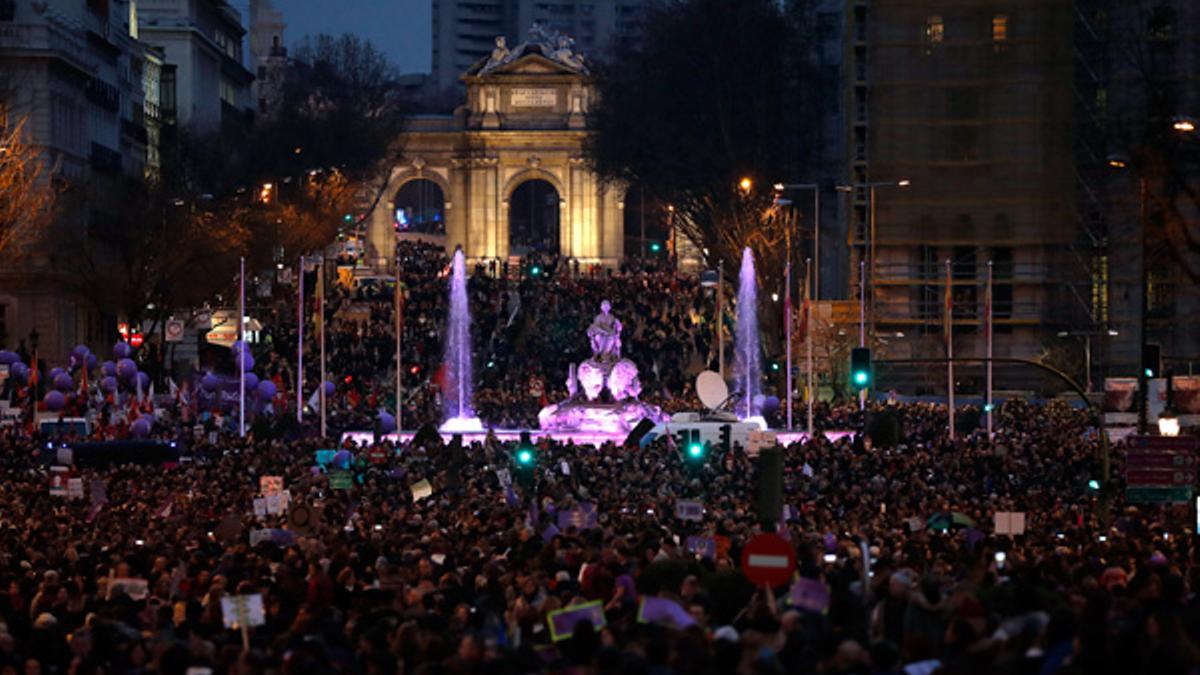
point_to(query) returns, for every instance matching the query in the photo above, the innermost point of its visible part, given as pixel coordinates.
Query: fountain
(746, 367)
(457, 395)
(584, 409)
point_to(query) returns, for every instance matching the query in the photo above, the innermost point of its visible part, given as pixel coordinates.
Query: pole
(399, 354)
(720, 320)
(808, 347)
(1143, 381)
(300, 348)
(988, 318)
(321, 338)
(871, 258)
(862, 319)
(241, 333)
(816, 292)
(1087, 358)
(787, 321)
(950, 346)
(642, 209)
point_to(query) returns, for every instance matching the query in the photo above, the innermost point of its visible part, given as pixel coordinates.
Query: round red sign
(768, 560)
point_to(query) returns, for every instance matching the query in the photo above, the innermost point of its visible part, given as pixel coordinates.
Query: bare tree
(27, 193)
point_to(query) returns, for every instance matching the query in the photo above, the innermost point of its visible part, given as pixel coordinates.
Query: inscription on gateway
(534, 97)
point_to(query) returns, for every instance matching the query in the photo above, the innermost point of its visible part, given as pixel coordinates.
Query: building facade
(86, 87)
(204, 80)
(959, 123)
(506, 175)
(464, 31)
(268, 55)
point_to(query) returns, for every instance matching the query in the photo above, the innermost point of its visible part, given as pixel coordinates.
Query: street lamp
(1087, 336)
(1184, 124)
(745, 184)
(869, 245)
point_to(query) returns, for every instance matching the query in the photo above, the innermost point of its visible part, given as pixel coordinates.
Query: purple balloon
(90, 360)
(387, 422)
(251, 382)
(329, 388)
(239, 345)
(342, 459)
(109, 368)
(108, 384)
(126, 369)
(144, 380)
(19, 371)
(121, 350)
(55, 372)
(140, 427)
(249, 361)
(210, 383)
(266, 390)
(63, 382)
(8, 358)
(55, 401)
(80, 352)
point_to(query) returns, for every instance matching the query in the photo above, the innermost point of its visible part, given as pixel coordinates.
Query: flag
(805, 310)
(164, 511)
(33, 370)
(987, 311)
(787, 296)
(83, 373)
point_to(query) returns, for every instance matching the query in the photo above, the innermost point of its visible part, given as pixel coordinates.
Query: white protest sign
(1010, 522)
(689, 509)
(238, 611)
(260, 507)
(421, 489)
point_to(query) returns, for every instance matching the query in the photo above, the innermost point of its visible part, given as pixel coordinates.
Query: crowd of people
(528, 325)
(431, 557)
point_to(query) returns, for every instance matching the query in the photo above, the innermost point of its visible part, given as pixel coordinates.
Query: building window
(1000, 28)
(935, 30)
(166, 93)
(228, 92)
(1100, 288)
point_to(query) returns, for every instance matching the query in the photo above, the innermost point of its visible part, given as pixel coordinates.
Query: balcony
(105, 159)
(133, 130)
(103, 94)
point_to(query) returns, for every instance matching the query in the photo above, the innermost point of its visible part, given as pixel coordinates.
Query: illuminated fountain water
(746, 366)
(457, 395)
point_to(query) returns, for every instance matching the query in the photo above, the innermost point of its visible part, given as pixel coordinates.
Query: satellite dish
(711, 389)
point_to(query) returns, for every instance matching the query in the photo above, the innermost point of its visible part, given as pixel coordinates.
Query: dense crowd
(388, 580)
(528, 325)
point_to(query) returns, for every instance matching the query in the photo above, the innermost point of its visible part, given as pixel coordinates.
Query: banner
(1120, 394)
(1185, 396)
(562, 622)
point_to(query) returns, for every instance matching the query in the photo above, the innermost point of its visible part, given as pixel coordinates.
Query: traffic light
(524, 456)
(768, 492)
(655, 247)
(526, 460)
(535, 271)
(775, 366)
(1151, 360)
(726, 441)
(860, 368)
(689, 441)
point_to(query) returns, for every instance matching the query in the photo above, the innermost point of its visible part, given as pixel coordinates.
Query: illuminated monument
(505, 174)
(605, 371)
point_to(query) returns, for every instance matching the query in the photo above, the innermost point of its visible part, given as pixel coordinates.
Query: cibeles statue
(586, 383)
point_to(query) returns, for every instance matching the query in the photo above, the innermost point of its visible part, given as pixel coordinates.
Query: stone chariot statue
(604, 371)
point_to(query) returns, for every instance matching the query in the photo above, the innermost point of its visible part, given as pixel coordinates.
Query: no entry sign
(768, 560)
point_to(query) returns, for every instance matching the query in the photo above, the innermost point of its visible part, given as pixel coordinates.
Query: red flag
(33, 370)
(805, 311)
(948, 314)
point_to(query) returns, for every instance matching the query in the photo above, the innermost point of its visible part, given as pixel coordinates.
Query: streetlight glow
(745, 184)
(904, 182)
(1184, 124)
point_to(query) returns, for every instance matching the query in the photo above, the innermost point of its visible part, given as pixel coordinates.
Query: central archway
(419, 207)
(533, 218)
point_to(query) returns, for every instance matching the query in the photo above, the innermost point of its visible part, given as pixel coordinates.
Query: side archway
(419, 207)
(534, 200)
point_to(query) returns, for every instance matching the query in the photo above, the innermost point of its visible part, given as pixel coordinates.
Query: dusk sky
(399, 27)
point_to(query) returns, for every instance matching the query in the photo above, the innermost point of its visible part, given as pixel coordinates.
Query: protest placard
(1010, 522)
(421, 489)
(562, 622)
(689, 509)
(243, 610)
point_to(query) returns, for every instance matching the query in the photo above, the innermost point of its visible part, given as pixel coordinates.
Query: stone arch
(535, 174)
(399, 178)
(424, 207)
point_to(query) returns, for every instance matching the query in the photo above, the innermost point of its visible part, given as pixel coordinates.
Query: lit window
(1000, 28)
(935, 30)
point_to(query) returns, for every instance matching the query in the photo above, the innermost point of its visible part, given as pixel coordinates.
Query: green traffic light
(535, 270)
(775, 366)
(861, 377)
(525, 456)
(1094, 485)
(695, 451)
(655, 247)
(347, 217)
(1149, 372)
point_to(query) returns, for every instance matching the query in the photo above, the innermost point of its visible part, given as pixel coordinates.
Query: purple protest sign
(689, 509)
(705, 547)
(661, 610)
(562, 622)
(810, 595)
(550, 532)
(583, 516)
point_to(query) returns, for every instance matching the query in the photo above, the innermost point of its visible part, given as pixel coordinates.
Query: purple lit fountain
(457, 395)
(746, 367)
(587, 408)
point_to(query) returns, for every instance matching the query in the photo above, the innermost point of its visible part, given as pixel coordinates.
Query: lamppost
(816, 253)
(868, 255)
(1087, 336)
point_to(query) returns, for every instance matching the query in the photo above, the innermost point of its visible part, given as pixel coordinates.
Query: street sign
(377, 455)
(1163, 477)
(173, 330)
(1180, 443)
(768, 560)
(1158, 495)
(1163, 460)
